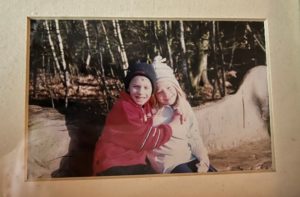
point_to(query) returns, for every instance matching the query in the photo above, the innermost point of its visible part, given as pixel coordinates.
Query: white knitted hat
(163, 71)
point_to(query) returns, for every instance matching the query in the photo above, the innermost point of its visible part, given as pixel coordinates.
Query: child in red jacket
(128, 133)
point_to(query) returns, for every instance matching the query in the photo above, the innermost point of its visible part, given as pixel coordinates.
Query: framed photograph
(77, 69)
(62, 73)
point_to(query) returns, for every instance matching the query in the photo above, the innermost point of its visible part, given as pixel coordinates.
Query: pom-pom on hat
(163, 71)
(141, 69)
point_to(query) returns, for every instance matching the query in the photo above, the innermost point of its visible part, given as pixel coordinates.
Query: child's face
(140, 89)
(166, 93)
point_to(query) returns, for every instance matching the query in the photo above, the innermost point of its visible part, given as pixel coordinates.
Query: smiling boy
(128, 133)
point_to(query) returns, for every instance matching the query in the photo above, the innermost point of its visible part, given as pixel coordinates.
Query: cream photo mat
(282, 26)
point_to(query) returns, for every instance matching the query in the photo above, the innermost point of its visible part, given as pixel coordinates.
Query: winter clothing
(190, 167)
(142, 69)
(127, 170)
(184, 146)
(163, 71)
(186, 167)
(128, 135)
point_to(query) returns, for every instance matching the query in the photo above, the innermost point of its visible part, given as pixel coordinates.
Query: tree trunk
(223, 78)
(170, 25)
(88, 59)
(102, 80)
(203, 70)
(57, 65)
(70, 53)
(258, 41)
(184, 60)
(113, 60)
(200, 72)
(121, 48)
(156, 28)
(169, 42)
(219, 73)
(44, 79)
(66, 72)
(182, 42)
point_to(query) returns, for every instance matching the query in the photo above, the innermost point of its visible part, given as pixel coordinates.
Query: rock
(48, 141)
(239, 118)
(61, 141)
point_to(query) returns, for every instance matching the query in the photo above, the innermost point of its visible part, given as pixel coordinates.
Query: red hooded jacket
(128, 135)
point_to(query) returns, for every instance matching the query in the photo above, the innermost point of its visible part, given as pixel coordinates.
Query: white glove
(202, 167)
(163, 116)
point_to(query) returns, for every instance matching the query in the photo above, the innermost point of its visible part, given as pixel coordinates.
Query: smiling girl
(185, 151)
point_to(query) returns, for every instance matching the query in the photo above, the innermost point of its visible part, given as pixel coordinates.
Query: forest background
(86, 60)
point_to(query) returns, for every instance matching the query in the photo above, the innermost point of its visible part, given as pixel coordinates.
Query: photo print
(100, 97)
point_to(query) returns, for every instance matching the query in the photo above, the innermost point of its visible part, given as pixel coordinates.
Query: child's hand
(157, 120)
(162, 116)
(179, 114)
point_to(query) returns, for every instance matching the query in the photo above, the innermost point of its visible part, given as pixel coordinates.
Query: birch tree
(57, 64)
(104, 85)
(108, 45)
(113, 61)
(219, 76)
(169, 42)
(64, 64)
(217, 42)
(156, 30)
(146, 36)
(184, 60)
(121, 48)
(88, 59)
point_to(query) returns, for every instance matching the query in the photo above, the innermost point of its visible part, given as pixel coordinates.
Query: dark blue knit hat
(142, 69)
